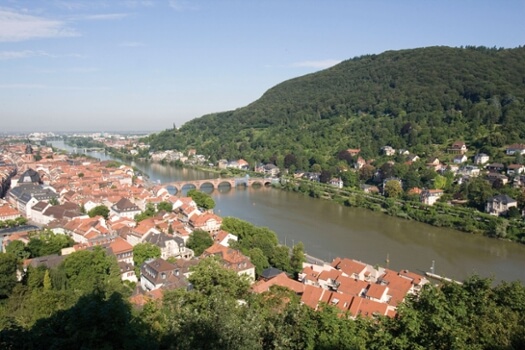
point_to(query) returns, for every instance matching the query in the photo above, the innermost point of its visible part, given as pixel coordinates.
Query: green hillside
(406, 99)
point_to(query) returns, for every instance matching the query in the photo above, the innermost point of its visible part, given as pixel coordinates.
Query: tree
(289, 160)
(201, 199)
(387, 170)
(210, 277)
(258, 259)
(326, 176)
(47, 281)
(366, 172)
(46, 243)
(165, 206)
(8, 267)
(18, 249)
(281, 259)
(92, 271)
(143, 252)
(350, 178)
(199, 241)
(298, 258)
(513, 213)
(147, 213)
(440, 182)
(21, 220)
(101, 210)
(392, 189)
(478, 192)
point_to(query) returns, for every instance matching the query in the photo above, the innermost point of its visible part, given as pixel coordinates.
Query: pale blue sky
(114, 65)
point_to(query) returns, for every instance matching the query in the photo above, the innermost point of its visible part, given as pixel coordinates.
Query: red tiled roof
(351, 286)
(376, 291)
(367, 308)
(349, 266)
(280, 280)
(120, 245)
(311, 296)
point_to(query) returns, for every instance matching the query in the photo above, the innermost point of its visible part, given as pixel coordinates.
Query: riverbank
(439, 215)
(445, 215)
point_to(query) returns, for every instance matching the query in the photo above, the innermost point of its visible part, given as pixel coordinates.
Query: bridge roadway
(215, 183)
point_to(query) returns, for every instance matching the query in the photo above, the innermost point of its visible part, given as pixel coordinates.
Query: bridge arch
(180, 186)
(172, 189)
(188, 186)
(204, 184)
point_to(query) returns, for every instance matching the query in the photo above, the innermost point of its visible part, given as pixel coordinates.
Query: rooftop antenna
(433, 267)
(387, 259)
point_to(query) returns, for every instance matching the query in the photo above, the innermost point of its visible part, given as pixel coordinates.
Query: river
(328, 229)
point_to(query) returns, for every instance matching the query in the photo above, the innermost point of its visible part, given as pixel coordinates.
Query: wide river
(328, 230)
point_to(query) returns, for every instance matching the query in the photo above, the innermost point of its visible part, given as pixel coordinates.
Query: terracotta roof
(340, 301)
(351, 286)
(398, 286)
(233, 258)
(7, 210)
(367, 308)
(202, 220)
(376, 291)
(310, 274)
(312, 295)
(280, 280)
(329, 275)
(120, 245)
(349, 266)
(416, 279)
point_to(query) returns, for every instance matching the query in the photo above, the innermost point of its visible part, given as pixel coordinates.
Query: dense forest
(417, 99)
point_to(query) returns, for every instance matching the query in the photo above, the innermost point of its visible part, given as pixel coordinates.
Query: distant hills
(418, 99)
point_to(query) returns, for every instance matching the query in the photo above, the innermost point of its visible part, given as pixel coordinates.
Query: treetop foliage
(220, 313)
(406, 99)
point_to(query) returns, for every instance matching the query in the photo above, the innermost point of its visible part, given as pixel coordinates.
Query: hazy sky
(144, 65)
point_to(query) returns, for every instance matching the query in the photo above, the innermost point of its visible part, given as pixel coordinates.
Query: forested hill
(406, 99)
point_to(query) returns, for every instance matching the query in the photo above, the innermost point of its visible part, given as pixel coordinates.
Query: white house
(337, 182)
(500, 204)
(388, 151)
(515, 149)
(460, 159)
(430, 197)
(481, 158)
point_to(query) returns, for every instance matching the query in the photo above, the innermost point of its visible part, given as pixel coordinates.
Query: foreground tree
(47, 243)
(18, 249)
(88, 271)
(8, 266)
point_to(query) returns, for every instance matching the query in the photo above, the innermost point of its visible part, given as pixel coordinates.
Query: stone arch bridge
(215, 183)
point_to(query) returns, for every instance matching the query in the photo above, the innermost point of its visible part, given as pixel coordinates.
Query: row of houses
(353, 287)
